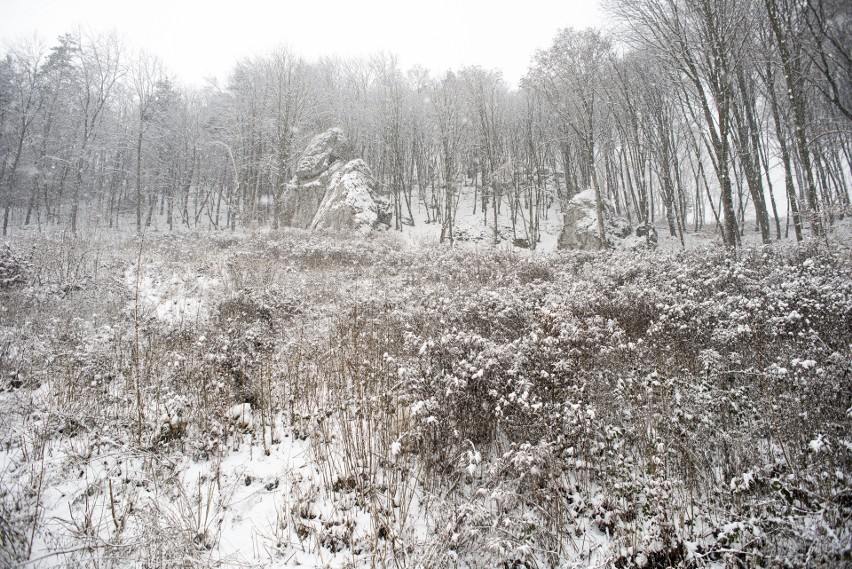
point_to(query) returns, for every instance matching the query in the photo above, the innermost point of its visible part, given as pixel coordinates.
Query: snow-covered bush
(655, 379)
(13, 268)
(364, 403)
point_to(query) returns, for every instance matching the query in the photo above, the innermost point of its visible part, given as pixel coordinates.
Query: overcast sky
(196, 39)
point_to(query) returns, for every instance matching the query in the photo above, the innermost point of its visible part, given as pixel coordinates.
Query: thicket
(479, 408)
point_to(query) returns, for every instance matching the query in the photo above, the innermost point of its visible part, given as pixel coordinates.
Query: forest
(692, 113)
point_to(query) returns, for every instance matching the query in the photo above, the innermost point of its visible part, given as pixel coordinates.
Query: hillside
(284, 399)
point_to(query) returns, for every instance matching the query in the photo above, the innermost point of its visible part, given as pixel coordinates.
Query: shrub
(13, 268)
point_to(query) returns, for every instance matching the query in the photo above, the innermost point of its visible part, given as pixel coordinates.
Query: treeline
(693, 113)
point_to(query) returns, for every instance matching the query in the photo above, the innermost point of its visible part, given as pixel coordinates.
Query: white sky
(197, 39)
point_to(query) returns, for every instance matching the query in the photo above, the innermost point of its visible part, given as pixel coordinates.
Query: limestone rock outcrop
(324, 150)
(351, 202)
(580, 229)
(333, 191)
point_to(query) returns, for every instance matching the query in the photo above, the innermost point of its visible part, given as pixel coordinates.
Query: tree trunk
(796, 101)
(785, 155)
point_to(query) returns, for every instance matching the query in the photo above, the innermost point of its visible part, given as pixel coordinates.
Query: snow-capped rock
(580, 229)
(332, 192)
(352, 201)
(321, 153)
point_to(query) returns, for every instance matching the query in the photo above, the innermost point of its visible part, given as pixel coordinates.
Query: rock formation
(580, 229)
(351, 202)
(332, 191)
(324, 150)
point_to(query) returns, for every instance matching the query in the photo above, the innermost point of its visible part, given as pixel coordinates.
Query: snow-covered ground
(292, 399)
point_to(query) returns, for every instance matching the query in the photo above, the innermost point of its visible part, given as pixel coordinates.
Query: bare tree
(21, 86)
(289, 106)
(146, 73)
(829, 25)
(98, 65)
(447, 102)
(569, 75)
(487, 95)
(782, 22)
(393, 123)
(702, 42)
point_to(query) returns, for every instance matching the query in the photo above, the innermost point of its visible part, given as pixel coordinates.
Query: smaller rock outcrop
(646, 234)
(580, 229)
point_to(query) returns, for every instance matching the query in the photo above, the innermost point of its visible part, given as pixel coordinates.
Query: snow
(179, 297)
(242, 415)
(277, 492)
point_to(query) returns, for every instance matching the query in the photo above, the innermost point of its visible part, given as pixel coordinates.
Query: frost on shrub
(13, 268)
(641, 387)
(615, 410)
